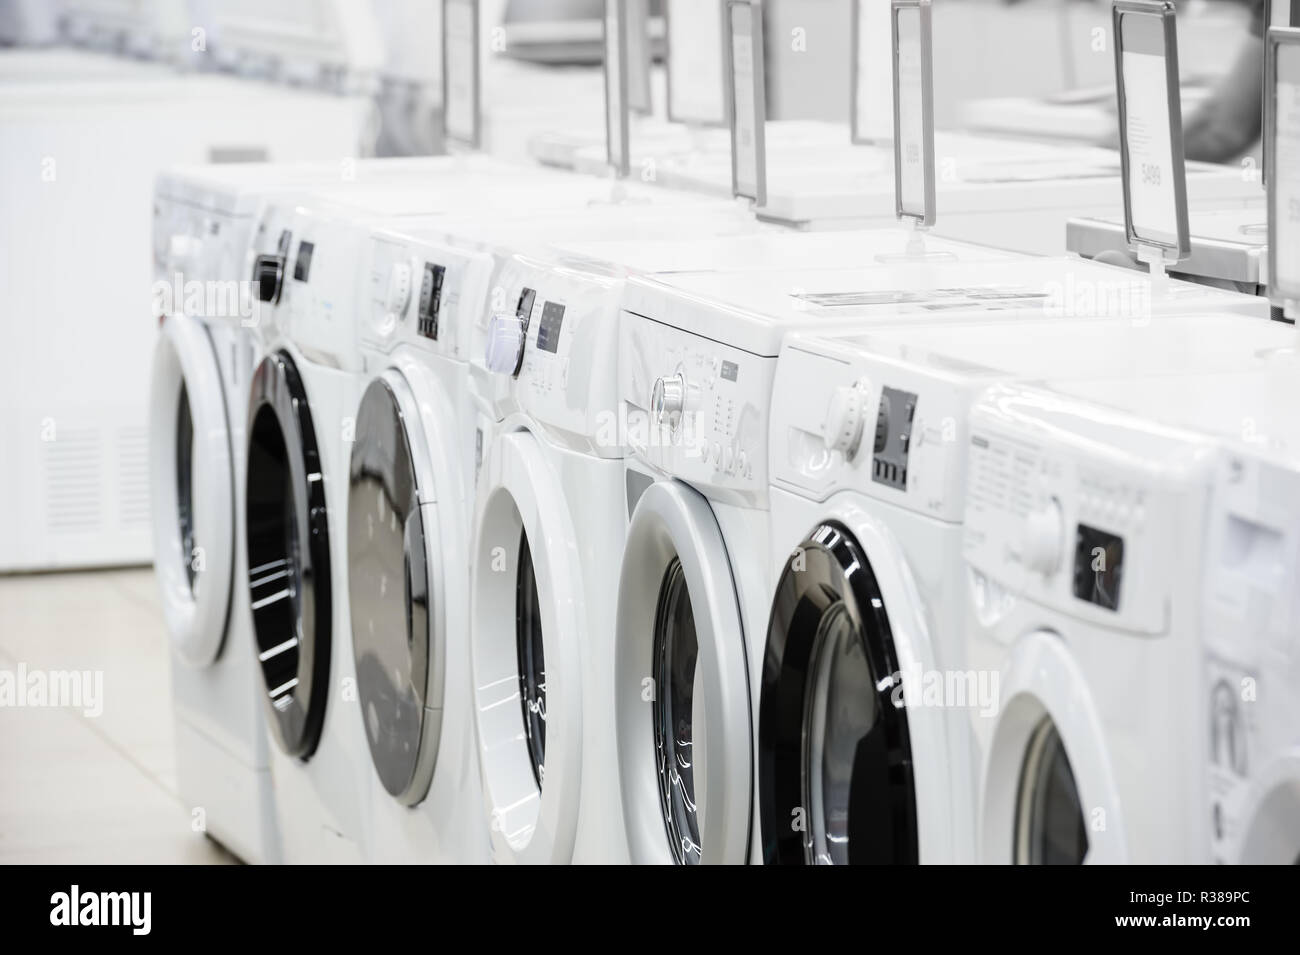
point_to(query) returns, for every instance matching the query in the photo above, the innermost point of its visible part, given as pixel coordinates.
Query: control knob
(268, 277)
(505, 344)
(842, 429)
(399, 289)
(1043, 538)
(668, 397)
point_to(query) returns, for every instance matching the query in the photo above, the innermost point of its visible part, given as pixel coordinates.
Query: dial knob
(505, 344)
(842, 430)
(1044, 538)
(668, 397)
(268, 277)
(399, 288)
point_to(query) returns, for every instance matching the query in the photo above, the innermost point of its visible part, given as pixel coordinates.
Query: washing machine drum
(835, 763)
(287, 536)
(393, 590)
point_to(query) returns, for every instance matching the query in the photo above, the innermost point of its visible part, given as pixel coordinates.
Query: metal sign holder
(470, 139)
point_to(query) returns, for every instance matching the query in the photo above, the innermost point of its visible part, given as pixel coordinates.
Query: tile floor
(76, 789)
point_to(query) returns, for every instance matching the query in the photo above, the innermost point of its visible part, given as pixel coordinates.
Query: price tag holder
(745, 69)
(697, 84)
(1151, 131)
(639, 97)
(913, 112)
(462, 103)
(871, 76)
(1282, 121)
(616, 112)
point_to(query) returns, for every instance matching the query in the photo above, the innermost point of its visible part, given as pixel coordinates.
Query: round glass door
(288, 555)
(676, 648)
(532, 660)
(835, 764)
(389, 591)
(1050, 827)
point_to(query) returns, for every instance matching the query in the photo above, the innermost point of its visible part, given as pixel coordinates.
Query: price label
(1284, 182)
(749, 107)
(616, 124)
(697, 89)
(913, 112)
(1155, 195)
(460, 72)
(638, 57)
(872, 112)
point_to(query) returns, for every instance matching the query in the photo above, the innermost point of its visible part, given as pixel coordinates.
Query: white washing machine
(409, 493)
(1011, 194)
(867, 709)
(1229, 247)
(685, 343)
(303, 396)
(1237, 613)
(77, 390)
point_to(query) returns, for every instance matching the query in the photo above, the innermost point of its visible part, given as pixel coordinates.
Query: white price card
(697, 90)
(913, 111)
(460, 72)
(1155, 195)
(637, 25)
(749, 105)
(1284, 166)
(871, 94)
(616, 120)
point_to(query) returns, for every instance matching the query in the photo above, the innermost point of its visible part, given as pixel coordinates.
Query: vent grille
(133, 476)
(73, 465)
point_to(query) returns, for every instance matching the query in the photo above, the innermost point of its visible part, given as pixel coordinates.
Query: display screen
(548, 332)
(1152, 183)
(430, 299)
(1284, 172)
(1098, 566)
(893, 437)
(302, 265)
(729, 371)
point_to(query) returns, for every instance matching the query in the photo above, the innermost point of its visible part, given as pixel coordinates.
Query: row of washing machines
(509, 514)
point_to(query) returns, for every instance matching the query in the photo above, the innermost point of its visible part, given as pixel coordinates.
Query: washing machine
(1229, 247)
(1230, 600)
(697, 354)
(867, 709)
(78, 493)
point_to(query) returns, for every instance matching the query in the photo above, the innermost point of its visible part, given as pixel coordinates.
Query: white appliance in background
(1229, 247)
(1230, 603)
(76, 389)
(702, 349)
(867, 704)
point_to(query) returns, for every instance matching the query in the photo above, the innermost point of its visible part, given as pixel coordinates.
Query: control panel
(422, 292)
(1094, 513)
(695, 408)
(320, 302)
(548, 353)
(845, 417)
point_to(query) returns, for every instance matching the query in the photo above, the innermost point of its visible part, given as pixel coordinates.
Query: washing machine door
(397, 557)
(682, 694)
(838, 776)
(193, 490)
(1049, 795)
(287, 538)
(1271, 821)
(527, 613)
